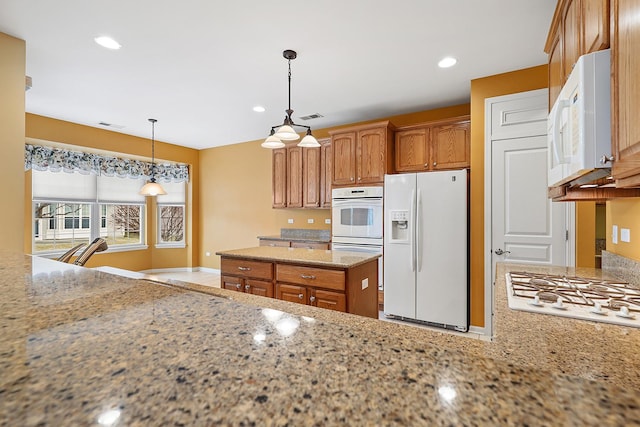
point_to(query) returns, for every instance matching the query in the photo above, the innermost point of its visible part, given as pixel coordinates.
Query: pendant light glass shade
(272, 142)
(309, 141)
(152, 188)
(287, 133)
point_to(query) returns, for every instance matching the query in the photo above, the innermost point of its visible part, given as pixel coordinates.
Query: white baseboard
(478, 330)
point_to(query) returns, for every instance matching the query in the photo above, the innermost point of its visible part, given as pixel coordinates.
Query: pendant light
(286, 131)
(152, 188)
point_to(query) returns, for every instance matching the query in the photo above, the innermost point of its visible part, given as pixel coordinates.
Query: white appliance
(579, 124)
(426, 257)
(356, 222)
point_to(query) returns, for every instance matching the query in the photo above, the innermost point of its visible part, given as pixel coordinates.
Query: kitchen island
(337, 280)
(84, 347)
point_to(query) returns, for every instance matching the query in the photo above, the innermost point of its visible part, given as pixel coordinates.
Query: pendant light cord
(153, 149)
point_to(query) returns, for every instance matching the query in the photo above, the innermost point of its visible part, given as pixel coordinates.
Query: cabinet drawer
(310, 245)
(311, 276)
(245, 268)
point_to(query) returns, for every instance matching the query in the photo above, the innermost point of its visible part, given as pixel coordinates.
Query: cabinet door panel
(232, 283)
(311, 177)
(626, 90)
(451, 146)
(326, 162)
(411, 150)
(556, 76)
(595, 25)
(294, 177)
(292, 293)
(370, 156)
(275, 243)
(330, 300)
(279, 178)
(571, 36)
(259, 287)
(343, 147)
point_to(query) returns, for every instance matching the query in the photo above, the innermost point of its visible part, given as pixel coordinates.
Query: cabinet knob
(312, 298)
(247, 287)
(606, 159)
(434, 163)
(300, 296)
(238, 286)
(351, 178)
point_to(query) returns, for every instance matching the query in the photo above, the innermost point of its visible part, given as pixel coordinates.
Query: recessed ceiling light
(259, 109)
(447, 62)
(107, 42)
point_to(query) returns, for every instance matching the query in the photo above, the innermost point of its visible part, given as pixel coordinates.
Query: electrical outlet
(290, 220)
(310, 221)
(625, 235)
(614, 234)
(327, 221)
(207, 253)
(365, 283)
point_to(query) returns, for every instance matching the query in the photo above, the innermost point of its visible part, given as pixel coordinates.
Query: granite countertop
(315, 257)
(85, 347)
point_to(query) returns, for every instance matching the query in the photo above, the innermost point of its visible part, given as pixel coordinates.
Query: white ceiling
(199, 66)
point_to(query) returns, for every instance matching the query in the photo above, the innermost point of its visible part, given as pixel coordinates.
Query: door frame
(489, 281)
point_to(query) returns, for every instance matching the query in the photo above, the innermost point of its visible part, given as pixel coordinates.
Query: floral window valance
(44, 158)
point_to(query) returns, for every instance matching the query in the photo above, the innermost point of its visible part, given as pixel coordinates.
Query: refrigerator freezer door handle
(411, 231)
(418, 238)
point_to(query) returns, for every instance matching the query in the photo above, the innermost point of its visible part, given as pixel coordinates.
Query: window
(72, 208)
(171, 215)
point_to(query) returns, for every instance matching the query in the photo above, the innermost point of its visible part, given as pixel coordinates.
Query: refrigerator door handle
(418, 238)
(411, 234)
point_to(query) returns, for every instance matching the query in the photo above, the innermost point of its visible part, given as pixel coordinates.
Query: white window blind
(63, 186)
(176, 193)
(113, 189)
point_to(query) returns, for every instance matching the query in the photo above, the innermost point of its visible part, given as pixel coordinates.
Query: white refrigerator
(426, 256)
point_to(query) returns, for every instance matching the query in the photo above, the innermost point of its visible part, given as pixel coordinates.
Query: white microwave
(579, 124)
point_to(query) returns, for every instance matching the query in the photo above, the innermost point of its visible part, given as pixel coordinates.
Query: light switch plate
(327, 221)
(310, 221)
(290, 220)
(614, 234)
(625, 235)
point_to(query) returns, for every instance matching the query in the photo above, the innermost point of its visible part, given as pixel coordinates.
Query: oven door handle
(357, 202)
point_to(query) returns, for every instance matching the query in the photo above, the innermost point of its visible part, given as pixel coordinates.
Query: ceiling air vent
(311, 116)
(111, 125)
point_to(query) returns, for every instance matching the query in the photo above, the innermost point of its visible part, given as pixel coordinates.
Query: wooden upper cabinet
(451, 146)
(362, 155)
(343, 146)
(571, 36)
(412, 153)
(311, 177)
(370, 155)
(625, 92)
(279, 178)
(578, 27)
(438, 145)
(326, 160)
(294, 177)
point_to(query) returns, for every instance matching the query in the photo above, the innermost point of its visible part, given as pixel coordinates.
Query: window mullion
(94, 220)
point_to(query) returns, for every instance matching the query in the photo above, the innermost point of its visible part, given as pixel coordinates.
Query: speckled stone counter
(318, 257)
(84, 347)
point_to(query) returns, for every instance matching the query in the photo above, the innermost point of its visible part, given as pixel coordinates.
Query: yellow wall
(487, 87)
(47, 129)
(625, 213)
(12, 101)
(586, 234)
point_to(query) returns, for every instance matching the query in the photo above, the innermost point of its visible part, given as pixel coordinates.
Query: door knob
(501, 252)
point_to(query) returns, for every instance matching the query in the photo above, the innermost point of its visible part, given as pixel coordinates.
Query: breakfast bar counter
(85, 347)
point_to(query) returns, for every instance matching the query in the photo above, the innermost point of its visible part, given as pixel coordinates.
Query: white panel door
(527, 227)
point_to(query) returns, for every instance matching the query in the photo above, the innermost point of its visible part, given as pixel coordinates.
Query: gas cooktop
(608, 301)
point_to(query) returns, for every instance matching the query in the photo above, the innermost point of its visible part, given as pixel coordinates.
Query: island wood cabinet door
(309, 296)
(292, 293)
(625, 94)
(343, 146)
(250, 286)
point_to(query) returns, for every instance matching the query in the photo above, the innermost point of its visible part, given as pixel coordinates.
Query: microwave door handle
(558, 143)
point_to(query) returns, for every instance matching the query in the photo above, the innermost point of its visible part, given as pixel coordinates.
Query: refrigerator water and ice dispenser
(399, 227)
